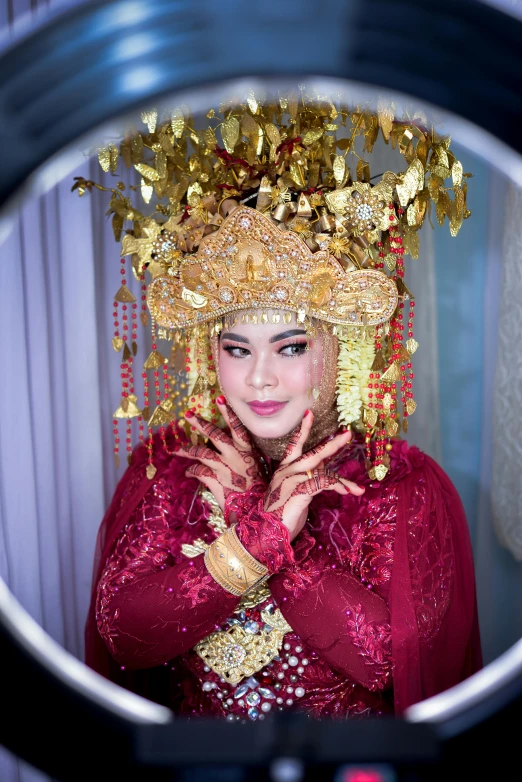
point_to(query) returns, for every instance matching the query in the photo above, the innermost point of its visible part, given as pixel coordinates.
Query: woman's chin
(268, 427)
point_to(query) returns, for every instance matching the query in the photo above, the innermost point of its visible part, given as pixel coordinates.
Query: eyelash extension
(230, 348)
(294, 345)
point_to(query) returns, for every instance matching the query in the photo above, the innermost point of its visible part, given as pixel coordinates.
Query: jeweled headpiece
(281, 213)
(249, 263)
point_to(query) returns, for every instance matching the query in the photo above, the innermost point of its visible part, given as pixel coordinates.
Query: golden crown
(271, 205)
(250, 263)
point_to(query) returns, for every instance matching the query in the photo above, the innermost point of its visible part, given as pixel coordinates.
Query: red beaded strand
(130, 375)
(405, 381)
(115, 422)
(150, 444)
(144, 320)
(213, 410)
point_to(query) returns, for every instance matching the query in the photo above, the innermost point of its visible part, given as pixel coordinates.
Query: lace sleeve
(265, 537)
(153, 604)
(338, 617)
(431, 557)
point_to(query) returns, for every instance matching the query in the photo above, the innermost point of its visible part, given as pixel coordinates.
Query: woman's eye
(293, 350)
(236, 352)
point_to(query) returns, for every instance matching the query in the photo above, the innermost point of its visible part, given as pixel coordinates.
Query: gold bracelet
(232, 566)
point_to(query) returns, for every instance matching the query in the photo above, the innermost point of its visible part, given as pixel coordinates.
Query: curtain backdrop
(59, 272)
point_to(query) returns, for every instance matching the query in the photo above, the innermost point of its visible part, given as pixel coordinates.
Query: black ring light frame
(86, 67)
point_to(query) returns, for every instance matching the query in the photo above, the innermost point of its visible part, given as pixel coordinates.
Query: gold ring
(310, 474)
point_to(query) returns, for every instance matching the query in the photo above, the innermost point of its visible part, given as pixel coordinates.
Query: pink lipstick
(269, 407)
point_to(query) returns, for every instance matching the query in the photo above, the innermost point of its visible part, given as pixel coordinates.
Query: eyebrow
(286, 334)
(275, 338)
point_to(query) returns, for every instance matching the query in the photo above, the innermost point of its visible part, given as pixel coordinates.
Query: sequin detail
(154, 605)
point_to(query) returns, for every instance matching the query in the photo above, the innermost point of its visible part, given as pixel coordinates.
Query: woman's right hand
(232, 465)
(301, 476)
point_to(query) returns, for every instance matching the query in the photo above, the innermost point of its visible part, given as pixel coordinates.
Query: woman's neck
(324, 426)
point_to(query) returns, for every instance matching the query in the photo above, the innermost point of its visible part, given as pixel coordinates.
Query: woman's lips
(269, 407)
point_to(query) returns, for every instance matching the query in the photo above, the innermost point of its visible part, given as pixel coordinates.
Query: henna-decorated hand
(301, 476)
(234, 466)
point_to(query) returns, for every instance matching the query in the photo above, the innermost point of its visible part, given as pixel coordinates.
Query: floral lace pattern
(266, 538)
(331, 585)
(374, 642)
(432, 562)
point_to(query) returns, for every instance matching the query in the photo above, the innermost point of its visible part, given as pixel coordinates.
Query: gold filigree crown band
(250, 262)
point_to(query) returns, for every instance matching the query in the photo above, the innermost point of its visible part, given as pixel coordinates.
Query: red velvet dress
(378, 590)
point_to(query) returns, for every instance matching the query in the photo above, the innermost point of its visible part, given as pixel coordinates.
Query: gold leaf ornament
(155, 360)
(124, 295)
(392, 374)
(117, 344)
(456, 173)
(108, 158)
(163, 414)
(230, 133)
(339, 170)
(379, 472)
(177, 122)
(146, 191)
(410, 183)
(273, 135)
(370, 416)
(128, 408)
(311, 136)
(411, 346)
(150, 119)
(147, 171)
(385, 114)
(411, 406)
(252, 103)
(392, 427)
(363, 171)
(104, 159)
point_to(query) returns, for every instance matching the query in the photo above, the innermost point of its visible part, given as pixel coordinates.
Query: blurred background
(60, 269)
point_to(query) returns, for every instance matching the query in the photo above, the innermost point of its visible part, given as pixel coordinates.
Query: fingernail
(306, 412)
(221, 400)
(189, 414)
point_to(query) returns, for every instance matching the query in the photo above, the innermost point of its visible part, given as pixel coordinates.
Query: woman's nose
(261, 375)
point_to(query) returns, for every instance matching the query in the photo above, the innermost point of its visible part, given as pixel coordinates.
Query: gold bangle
(232, 566)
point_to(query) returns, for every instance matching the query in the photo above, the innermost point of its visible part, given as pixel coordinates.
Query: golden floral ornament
(236, 654)
(250, 263)
(157, 243)
(367, 209)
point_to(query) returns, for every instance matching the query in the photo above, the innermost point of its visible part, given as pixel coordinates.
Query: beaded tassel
(151, 469)
(117, 343)
(144, 317)
(128, 408)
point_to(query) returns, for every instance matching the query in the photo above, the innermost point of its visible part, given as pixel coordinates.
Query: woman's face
(267, 374)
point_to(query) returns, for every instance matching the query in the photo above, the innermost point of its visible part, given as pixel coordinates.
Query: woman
(282, 561)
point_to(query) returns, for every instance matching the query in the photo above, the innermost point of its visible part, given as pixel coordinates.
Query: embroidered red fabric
(376, 589)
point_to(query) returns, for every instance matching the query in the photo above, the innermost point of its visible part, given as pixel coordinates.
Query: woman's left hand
(301, 476)
(233, 466)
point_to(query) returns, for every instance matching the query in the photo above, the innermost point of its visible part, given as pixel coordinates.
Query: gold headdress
(284, 215)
